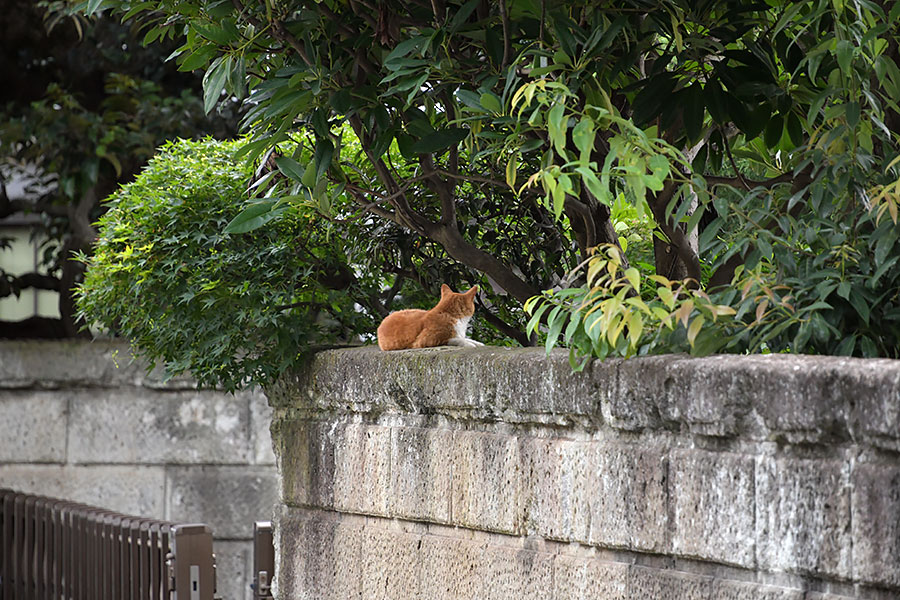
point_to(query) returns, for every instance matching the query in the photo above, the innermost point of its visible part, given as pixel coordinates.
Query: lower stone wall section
(418, 475)
(368, 558)
(83, 422)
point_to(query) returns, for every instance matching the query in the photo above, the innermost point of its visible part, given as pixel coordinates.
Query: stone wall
(83, 422)
(495, 473)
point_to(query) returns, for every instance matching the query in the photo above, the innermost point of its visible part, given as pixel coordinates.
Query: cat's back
(399, 329)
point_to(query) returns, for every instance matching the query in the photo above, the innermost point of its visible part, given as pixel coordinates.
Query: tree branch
(505, 328)
(749, 184)
(507, 44)
(674, 232)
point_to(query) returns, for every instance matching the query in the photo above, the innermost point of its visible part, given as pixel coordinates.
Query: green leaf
(290, 167)
(861, 304)
(491, 102)
(694, 329)
(555, 323)
(324, 152)
(197, 59)
(795, 129)
(583, 135)
(213, 84)
(692, 107)
(470, 99)
(405, 47)
(556, 127)
(511, 168)
(774, 130)
(255, 216)
(852, 114)
(462, 14)
(594, 186)
(341, 101)
(440, 140)
(309, 175)
(715, 101)
(844, 53)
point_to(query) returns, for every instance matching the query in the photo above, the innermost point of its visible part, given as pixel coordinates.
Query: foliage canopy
(757, 139)
(84, 106)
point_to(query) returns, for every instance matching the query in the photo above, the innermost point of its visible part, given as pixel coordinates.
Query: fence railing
(60, 550)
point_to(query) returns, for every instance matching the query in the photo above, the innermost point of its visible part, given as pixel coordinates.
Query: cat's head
(458, 304)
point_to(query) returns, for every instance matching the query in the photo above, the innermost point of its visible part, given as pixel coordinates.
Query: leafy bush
(229, 308)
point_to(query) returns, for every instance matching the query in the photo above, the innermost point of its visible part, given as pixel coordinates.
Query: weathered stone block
(707, 396)
(871, 388)
(450, 568)
(348, 550)
(580, 578)
(628, 498)
(522, 574)
(307, 462)
(307, 560)
(663, 584)
(393, 566)
(421, 474)
(712, 506)
(33, 427)
(23, 363)
(131, 489)
(723, 589)
(234, 566)
(558, 498)
(876, 523)
(362, 469)
(632, 402)
(228, 499)
(867, 594)
(798, 398)
(317, 559)
(803, 516)
(260, 427)
(486, 488)
(178, 427)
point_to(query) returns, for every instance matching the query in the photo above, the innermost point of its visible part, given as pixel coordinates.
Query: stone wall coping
(790, 398)
(101, 363)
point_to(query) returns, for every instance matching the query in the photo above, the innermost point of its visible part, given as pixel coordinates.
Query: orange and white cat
(443, 325)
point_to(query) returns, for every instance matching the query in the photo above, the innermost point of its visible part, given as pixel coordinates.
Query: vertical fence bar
(28, 549)
(145, 561)
(54, 565)
(263, 560)
(134, 532)
(165, 545)
(40, 549)
(155, 566)
(195, 576)
(18, 546)
(6, 544)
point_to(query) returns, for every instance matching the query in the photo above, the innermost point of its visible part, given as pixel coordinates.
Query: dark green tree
(757, 140)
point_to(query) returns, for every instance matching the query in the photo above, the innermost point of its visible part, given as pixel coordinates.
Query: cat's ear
(445, 289)
(472, 291)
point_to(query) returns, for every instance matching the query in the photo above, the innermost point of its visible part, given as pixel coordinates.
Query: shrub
(230, 308)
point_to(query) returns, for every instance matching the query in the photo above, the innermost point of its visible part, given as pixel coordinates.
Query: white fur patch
(460, 327)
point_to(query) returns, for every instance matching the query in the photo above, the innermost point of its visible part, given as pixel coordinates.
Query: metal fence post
(192, 570)
(263, 560)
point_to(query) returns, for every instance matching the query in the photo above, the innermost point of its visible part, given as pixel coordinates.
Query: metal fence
(60, 550)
